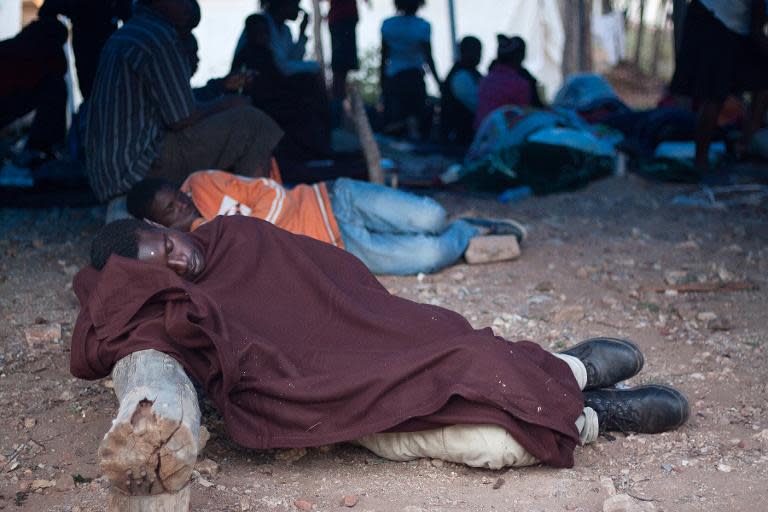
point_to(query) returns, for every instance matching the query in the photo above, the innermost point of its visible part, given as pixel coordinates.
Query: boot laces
(619, 416)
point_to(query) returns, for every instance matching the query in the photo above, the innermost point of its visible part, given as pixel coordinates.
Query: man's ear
(153, 223)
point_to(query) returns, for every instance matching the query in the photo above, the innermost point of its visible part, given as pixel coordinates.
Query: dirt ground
(589, 268)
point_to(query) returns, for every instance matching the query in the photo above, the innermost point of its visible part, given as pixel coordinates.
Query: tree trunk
(317, 35)
(577, 51)
(640, 33)
(679, 8)
(365, 134)
(658, 37)
(154, 441)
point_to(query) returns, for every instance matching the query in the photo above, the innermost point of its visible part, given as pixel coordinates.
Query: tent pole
(454, 41)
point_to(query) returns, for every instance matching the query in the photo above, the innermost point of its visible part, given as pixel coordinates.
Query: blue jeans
(394, 232)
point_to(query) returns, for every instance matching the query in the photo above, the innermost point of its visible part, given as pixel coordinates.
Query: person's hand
(304, 22)
(238, 81)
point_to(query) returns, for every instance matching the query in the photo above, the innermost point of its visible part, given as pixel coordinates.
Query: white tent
(538, 21)
(540, 24)
(10, 18)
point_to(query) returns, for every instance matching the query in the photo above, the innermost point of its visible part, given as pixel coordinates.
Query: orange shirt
(304, 210)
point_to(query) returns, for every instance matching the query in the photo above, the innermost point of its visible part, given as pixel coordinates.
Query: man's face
(173, 209)
(172, 249)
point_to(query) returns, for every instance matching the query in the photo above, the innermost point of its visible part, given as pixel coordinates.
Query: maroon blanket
(298, 344)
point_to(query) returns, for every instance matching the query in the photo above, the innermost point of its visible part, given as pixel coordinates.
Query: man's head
(135, 239)
(282, 10)
(160, 201)
(184, 15)
(409, 7)
(257, 31)
(511, 50)
(470, 51)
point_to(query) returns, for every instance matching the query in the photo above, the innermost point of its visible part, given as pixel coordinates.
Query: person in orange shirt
(391, 231)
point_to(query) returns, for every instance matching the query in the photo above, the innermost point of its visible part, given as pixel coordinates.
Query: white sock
(588, 426)
(577, 367)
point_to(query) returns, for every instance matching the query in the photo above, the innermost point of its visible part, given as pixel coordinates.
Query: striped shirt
(141, 89)
(304, 209)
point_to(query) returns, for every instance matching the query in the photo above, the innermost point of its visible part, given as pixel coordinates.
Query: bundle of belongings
(579, 139)
(549, 151)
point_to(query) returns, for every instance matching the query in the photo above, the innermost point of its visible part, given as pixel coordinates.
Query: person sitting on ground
(724, 50)
(459, 94)
(507, 82)
(297, 101)
(289, 88)
(142, 119)
(391, 231)
(35, 66)
(297, 344)
(406, 48)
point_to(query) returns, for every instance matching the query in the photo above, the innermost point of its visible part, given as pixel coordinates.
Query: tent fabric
(541, 25)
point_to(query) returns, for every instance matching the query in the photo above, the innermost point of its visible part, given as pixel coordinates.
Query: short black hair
(409, 6)
(470, 43)
(140, 197)
(120, 237)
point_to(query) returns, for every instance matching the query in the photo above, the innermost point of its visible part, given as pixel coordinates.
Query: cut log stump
(150, 451)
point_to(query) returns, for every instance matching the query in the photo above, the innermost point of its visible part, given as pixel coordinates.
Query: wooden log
(177, 502)
(154, 441)
(365, 134)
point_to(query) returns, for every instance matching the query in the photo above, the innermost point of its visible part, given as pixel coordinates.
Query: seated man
(298, 345)
(142, 119)
(507, 82)
(34, 80)
(459, 94)
(287, 87)
(392, 232)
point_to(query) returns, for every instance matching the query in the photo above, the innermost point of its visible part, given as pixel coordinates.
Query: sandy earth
(585, 271)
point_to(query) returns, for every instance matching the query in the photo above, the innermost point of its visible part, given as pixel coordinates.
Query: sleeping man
(298, 345)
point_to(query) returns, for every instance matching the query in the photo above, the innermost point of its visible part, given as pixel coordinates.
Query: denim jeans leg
(406, 254)
(384, 210)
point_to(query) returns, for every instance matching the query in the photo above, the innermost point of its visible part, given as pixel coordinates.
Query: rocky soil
(614, 259)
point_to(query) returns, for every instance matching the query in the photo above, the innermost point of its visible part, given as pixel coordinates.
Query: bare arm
(431, 62)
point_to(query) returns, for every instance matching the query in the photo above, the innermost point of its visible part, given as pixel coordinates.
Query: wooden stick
(154, 441)
(365, 134)
(317, 34)
(709, 287)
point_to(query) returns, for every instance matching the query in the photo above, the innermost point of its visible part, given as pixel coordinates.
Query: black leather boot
(608, 360)
(646, 409)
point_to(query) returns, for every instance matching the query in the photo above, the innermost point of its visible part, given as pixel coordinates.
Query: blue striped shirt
(141, 89)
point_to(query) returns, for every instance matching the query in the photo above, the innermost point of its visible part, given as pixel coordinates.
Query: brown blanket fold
(298, 344)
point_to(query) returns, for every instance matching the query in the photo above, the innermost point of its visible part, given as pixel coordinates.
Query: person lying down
(391, 231)
(298, 345)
